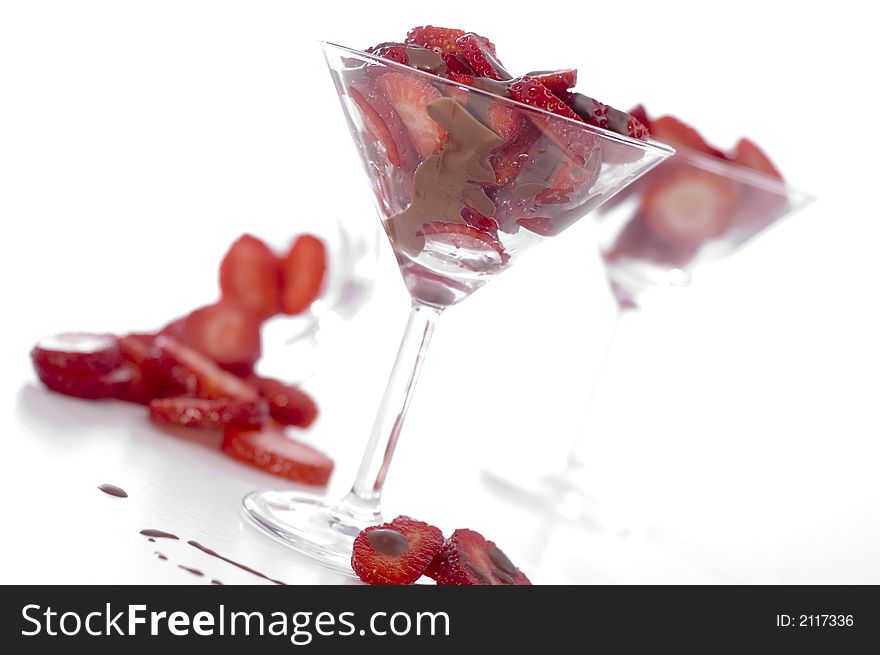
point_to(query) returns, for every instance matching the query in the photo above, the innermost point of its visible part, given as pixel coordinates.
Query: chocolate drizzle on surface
(449, 181)
(161, 556)
(388, 542)
(502, 561)
(158, 534)
(216, 581)
(191, 570)
(113, 490)
(243, 567)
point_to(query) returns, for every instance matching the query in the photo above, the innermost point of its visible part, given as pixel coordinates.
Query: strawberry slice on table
(251, 275)
(410, 97)
(383, 123)
(302, 270)
(395, 553)
(557, 81)
(147, 379)
(441, 39)
(480, 55)
(462, 237)
(88, 386)
(78, 352)
(675, 132)
(205, 413)
(689, 206)
(273, 451)
(748, 154)
(288, 404)
(197, 375)
(228, 332)
(468, 558)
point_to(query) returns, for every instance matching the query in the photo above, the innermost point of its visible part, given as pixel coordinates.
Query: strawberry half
(196, 374)
(673, 131)
(288, 404)
(78, 352)
(410, 97)
(441, 39)
(383, 123)
(302, 272)
(747, 154)
(480, 54)
(468, 558)
(396, 553)
(557, 81)
(273, 451)
(250, 274)
(189, 412)
(228, 332)
(689, 206)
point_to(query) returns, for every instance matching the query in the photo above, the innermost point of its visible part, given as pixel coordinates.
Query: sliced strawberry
(468, 558)
(288, 405)
(395, 553)
(557, 81)
(462, 78)
(189, 412)
(509, 162)
(505, 121)
(483, 223)
(590, 110)
(147, 379)
(626, 124)
(441, 39)
(273, 451)
(303, 271)
(637, 241)
(196, 374)
(530, 91)
(457, 94)
(442, 236)
(228, 332)
(747, 154)
(570, 183)
(78, 352)
(675, 132)
(383, 123)
(689, 206)
(393, 51)
(250, 274)
(89, 386)
(410, 97)
(480, 54)
(456, 64)
(641, 115)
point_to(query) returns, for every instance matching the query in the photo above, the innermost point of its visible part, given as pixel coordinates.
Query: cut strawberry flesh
(303, 270)
(383, 123)
(410, 97)
(88, 386)
(393, 51)
(480, 55)
(396, 553)
(557, 81)
(689, 207)
(468, 558)
(78, 352)
(288, 404)
(189, 412)
(751, 156)
(273, 451)
(442, 39)
(228, 332)
(250, 274)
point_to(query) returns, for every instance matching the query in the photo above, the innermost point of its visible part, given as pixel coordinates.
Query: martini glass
(690, 211)
(453, 227)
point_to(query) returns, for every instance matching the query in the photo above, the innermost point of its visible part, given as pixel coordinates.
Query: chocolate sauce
(191, 570)
(158, 534)
(151, 540)
(161, 556)
(113, 490)
(495, 87)
(243, 567)
(477, 572)
(216, 581)
(388, 542)
(425, 60)
(502, 561)
(449, 181)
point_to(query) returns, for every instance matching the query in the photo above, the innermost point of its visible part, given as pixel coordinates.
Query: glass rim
(662, 150)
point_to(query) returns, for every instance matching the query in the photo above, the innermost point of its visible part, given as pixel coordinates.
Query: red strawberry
(637, 241)
(250, 274)
(395, 553)
(441, 39)
(228, 332)
(410, 97)
(196, 374)
(468, 558)
(591, 111)
(458, 94)
(509, 162)
(147, 380)
(480, 54)
(557, 81)
(505, 121)
(641, 115)
(288, 404)
(747, 154)
(461, 236)
(78, 352)
(483, 223)
(393, 51)
(89, 386)
(689, 206)
(530, 91)
(626, 124)
(671, 130)
(188, 412)
(570, 182)
(456, 64)
(383, 123)
(271, 450)
(303, 271)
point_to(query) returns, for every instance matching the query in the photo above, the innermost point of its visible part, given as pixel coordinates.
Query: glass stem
(366, 492)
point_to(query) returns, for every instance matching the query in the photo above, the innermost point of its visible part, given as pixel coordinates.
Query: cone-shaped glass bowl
(460, 200)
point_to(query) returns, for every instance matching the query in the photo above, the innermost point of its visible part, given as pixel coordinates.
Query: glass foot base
(309, 524)
(564, 494)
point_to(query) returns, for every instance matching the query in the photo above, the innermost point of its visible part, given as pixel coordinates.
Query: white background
(137, 139)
